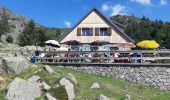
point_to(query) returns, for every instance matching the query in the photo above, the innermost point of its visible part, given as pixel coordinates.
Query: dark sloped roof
(114, 24)
(118, 24)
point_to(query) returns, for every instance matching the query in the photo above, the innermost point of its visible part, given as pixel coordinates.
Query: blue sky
(65, 13)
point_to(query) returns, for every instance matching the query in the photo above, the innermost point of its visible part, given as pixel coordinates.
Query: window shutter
(109, 31)
(91, 32)
(97, 31)
(78, 31)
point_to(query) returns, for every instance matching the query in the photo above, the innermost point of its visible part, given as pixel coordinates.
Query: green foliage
(9, 39)
(2, 95)
(145, 29)
(5, 27)
(53, 33)
(32, 35)
(59, 93)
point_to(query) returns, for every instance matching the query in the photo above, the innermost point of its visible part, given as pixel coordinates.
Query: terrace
(130, 57)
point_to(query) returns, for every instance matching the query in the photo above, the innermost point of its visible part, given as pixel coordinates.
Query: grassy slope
(111, 87)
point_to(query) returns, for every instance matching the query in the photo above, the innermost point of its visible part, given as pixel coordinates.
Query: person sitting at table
(37, 52)
(116, 55)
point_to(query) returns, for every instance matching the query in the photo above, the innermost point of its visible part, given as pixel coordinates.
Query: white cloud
(105, 7)
(163, 2)
(118, 10)
(67, 23)
(143, 2)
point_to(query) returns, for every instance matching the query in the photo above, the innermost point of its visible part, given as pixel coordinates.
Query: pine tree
(5, 27)
(32, 35)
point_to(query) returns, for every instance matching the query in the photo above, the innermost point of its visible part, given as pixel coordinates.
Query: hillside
(146, 29)
(113, 88)
(18, 23)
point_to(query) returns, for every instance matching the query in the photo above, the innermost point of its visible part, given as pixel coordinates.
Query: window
(85, 32)
(103, 32)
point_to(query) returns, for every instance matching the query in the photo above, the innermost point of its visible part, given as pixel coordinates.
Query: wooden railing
(115, 51)
(149, 57)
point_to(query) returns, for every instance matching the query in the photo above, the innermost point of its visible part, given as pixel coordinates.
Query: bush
(9, 39)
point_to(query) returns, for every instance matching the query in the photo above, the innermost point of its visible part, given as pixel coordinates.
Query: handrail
(104, 58)
(115, 51)
(110, 64)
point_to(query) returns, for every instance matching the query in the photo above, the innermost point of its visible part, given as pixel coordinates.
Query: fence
(132, 57)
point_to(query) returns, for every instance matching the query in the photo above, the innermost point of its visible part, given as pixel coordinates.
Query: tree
(5, 27)
(145, 29)
(32, 35)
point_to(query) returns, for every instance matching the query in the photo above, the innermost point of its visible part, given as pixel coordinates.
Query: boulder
(69, 87)
(35, 80)
(20, 89)
(15, 64)
(95, 85)
(50, 97)
(48, 69)
(45, 86)
(127, 97)
(103, 97)
(71, 78)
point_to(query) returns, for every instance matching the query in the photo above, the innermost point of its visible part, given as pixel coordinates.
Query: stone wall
(152, 76)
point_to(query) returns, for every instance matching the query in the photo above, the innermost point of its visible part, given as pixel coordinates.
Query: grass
(112, 87)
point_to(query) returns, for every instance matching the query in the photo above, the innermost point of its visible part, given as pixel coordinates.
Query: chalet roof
(119, 27)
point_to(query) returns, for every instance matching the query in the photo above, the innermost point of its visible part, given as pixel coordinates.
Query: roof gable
(113, 25)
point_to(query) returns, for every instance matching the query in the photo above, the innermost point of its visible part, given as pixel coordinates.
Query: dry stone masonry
(149, 75)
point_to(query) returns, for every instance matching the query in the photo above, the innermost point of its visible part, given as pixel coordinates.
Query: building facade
(96, 27)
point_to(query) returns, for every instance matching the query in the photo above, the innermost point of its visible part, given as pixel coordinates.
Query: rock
(95, 85)
(103, 97)
(168, 70)
(162, 80)
(48, 69)
(37, 81)
(33, 48)
(34, 79)
(69, 87)
(1, 78)
(50, 97)
(71, 78)
(20, 89)
(15, 64)
(34, 66)
(37, 71)
(127, 97)
(45, 86)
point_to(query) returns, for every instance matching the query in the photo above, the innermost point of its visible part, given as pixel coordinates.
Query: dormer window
(85, 32)
(103, 32)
